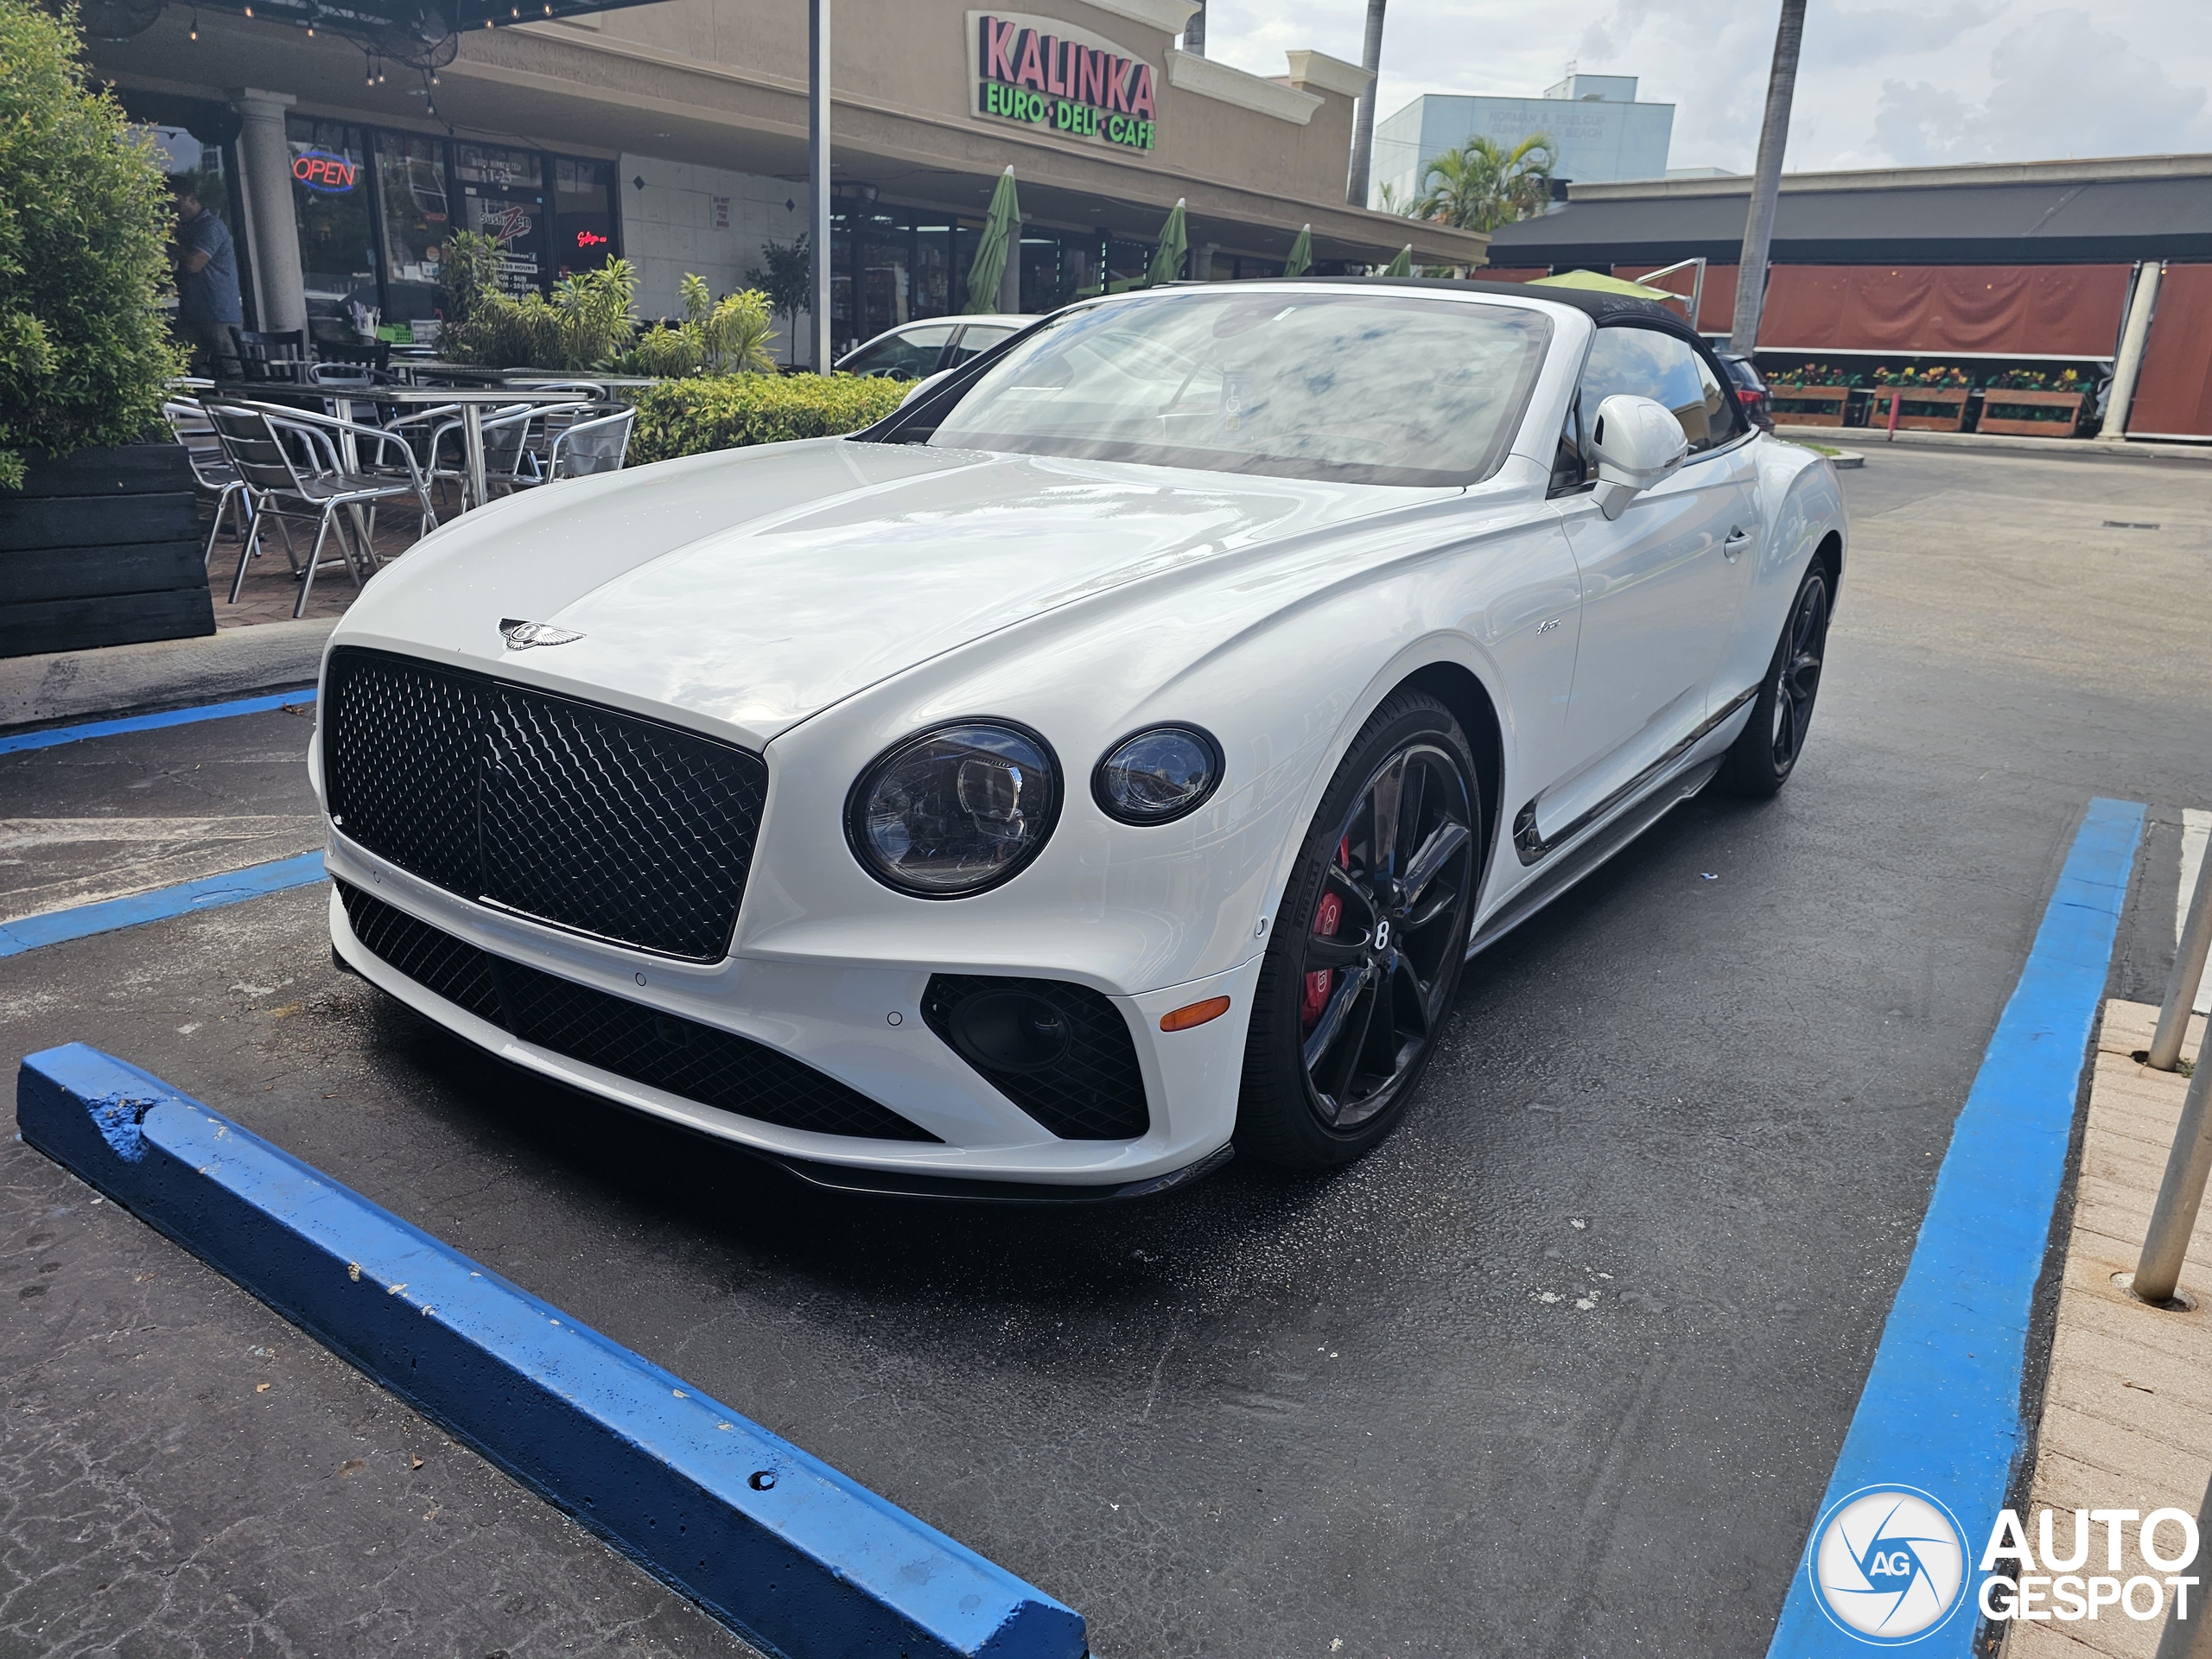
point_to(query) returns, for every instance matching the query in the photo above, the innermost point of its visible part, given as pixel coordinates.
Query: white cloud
(1881, 82)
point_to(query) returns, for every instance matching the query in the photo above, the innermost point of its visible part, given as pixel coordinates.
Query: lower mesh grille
(1094, 1091)
(713, 1067)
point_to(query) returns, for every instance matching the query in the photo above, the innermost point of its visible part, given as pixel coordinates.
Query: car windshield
(1361, 387)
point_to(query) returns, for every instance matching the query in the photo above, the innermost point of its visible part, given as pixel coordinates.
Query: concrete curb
(798, 1559)
(162, 673)
(2134, 448)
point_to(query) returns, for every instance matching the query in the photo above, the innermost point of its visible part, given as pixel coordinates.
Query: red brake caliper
(1328, 915)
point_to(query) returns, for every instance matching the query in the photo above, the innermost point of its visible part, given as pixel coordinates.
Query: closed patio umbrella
(1301, 254)
(1167, 262)
(1403, 264)
(992, 252)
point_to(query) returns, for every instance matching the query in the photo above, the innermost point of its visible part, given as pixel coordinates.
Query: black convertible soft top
(1600, 308)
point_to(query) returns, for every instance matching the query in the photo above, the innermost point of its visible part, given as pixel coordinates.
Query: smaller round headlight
(954, 811)
(1157, 775)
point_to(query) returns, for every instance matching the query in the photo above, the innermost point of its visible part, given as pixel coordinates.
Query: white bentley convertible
(1111, 756)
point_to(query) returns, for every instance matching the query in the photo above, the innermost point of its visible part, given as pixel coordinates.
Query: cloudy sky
(1882, 82)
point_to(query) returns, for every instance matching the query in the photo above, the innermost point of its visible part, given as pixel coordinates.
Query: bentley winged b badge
(521, 635)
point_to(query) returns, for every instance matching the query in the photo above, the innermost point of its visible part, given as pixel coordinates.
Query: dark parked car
(1751, 389)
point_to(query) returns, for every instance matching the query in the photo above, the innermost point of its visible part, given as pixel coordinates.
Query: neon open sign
(319, 170)
(590, 240)
(1083, 86)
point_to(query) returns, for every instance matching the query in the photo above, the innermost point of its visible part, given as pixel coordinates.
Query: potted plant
(99, 538)
(2030, 403)
(1932, 399)
(1812, 394)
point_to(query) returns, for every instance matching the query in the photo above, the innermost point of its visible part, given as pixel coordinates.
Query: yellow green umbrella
(991, 251)
(1167, 260)
(1301, 253)
(1598, 283)
(1403, 264)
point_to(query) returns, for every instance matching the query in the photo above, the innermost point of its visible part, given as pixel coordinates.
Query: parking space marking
(795, 1556)
(208, 893)
(57, 736)
(1941, 1410)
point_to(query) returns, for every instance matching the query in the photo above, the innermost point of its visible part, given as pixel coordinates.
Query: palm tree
(1482, 184)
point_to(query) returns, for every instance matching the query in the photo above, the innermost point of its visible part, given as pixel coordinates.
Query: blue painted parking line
(55, 735)
(800, 1559)
(208, 893)
(1940, 1415)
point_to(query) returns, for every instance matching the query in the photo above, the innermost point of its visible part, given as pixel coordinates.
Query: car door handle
(1737, 539)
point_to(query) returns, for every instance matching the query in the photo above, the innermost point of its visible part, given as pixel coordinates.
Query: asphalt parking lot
(1561, 1371)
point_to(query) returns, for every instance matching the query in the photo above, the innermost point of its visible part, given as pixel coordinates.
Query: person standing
(207, 305)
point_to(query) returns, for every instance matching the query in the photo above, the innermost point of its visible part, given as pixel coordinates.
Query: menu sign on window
(1057, 78)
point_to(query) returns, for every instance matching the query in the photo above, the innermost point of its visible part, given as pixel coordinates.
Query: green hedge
(728, 412)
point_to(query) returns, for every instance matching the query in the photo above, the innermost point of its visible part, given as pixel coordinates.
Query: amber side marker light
(1196, 1014)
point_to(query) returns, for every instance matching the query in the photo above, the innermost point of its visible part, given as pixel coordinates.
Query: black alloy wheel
(1761, 760)
(1368, 947)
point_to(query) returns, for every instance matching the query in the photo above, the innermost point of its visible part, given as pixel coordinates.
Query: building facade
(673, 135)
(1601, 131)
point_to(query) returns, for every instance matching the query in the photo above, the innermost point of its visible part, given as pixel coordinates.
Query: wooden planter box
(1941, 409)
(2065, 407)
(1808, 406)
(102, 547)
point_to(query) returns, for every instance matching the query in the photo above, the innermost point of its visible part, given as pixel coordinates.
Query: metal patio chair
(212, 472)
(311, 466)
(272, 356)
(600, 444)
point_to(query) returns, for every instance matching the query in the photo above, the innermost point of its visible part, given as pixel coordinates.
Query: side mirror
(1636, 443)
(927, 381)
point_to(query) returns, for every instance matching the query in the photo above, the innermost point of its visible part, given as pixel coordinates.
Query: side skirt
(1578, 861)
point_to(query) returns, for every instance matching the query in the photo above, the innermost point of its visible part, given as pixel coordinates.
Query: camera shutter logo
(1888, 1564)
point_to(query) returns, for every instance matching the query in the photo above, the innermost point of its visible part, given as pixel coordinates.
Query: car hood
(754, 587)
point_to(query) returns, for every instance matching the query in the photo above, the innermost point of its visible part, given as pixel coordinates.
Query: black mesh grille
(1094, 1092)
(715, 1067)
(602, 822)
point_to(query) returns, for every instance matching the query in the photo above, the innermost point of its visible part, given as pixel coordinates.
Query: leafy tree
(1482, 184)
(786, 276)
(84, 358)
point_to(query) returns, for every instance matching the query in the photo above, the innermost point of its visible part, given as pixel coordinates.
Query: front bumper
(856, 1021)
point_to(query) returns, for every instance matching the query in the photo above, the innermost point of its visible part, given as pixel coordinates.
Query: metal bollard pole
(2191, 1637)
(2174, 1217)
(2188, 973)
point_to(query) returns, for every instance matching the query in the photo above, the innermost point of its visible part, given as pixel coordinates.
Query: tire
(1761, 759)
(1343, 1026)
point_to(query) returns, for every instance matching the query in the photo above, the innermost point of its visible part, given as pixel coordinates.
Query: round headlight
(954, 811)
(1157, 775)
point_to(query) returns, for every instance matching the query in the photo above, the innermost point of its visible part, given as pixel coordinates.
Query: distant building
(1602, 132)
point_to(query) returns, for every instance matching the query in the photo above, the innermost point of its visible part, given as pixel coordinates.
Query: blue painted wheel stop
(799, 1560)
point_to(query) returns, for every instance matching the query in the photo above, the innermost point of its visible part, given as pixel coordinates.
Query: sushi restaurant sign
(1059, 79)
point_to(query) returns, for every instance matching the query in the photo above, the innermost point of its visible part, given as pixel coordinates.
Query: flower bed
(2031, 414)
(1808, 406)
(1923, 408)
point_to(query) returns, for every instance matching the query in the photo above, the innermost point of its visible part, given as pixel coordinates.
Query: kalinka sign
(1063, 79)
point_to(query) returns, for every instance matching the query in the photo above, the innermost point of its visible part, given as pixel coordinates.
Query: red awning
(1716, 309)
(2174, 396)
(1971, 310)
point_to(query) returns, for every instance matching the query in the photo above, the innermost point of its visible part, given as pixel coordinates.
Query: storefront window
(886, 283)
(418, 221)
(502, 195)
(330, 198)
(932, 269)
(583, 215)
